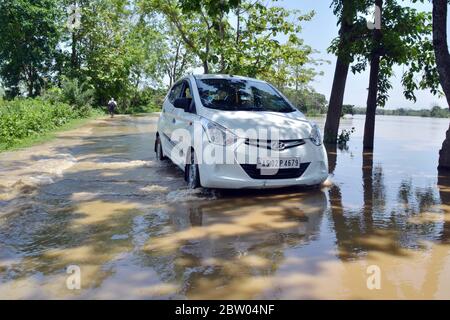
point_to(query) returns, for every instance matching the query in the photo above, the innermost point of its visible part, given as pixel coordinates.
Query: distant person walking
(111, 107)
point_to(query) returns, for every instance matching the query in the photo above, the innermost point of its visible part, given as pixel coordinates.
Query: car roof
(223, 76)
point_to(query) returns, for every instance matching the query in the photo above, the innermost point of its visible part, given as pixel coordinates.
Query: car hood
(290, 126)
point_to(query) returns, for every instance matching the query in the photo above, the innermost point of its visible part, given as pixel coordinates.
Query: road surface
(93, 214)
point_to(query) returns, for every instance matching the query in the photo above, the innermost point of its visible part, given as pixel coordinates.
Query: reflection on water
(136, 232)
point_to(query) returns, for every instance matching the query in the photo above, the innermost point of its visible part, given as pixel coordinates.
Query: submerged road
(95, 200)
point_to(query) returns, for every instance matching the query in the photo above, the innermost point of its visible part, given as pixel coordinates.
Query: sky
(318, 34)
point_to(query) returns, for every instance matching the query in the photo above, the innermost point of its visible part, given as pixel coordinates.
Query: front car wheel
(158, 149)
(192, 173)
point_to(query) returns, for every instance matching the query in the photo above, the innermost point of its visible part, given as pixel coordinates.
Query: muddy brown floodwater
(97, 198)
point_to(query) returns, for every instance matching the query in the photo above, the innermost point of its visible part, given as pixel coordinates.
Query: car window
(175, 92)
(186, 92)
(241, 95)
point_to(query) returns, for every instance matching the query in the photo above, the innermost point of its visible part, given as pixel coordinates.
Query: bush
(78, 95)
(53, 95)
(142, 101)
(344, 138)
(23, 118)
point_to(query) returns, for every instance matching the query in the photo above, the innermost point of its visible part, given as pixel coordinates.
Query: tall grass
(23, 118)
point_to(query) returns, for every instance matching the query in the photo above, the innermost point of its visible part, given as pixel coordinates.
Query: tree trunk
(30, 89)
(340, 78)
(369, 126)
(205, 67)
(336, 101)
(175, 63)
(74, 54)
(205, 59)
(30, 81)
(443, 67)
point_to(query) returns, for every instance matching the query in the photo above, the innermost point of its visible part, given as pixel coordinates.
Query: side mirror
(183, 103)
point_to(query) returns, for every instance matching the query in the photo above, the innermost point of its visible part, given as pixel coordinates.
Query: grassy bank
(31, 121)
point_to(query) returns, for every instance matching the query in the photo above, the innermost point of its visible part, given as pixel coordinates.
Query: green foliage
(406, 40)
(213, 7)
(126, 48)
(29, 35)
(152, 98)
(52, 95)
(23, 118)
(249, 48)
(176, 58)
(438, 112)
(147, 100)
(78, 95)
(434, 112)
(307, 100)
(347, 109)
(107, 46)
(349, 14)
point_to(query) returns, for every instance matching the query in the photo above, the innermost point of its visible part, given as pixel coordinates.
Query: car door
(184, 121)
(167, 123)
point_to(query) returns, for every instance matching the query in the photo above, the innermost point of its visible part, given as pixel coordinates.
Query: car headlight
(315, 135)
(217, 134)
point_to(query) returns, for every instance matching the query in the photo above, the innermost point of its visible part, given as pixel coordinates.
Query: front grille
(267, 144)
(255, 173)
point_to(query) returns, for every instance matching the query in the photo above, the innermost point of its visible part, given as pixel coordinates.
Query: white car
(234, 132)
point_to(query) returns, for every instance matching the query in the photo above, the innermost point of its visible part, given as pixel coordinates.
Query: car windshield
(241, 95)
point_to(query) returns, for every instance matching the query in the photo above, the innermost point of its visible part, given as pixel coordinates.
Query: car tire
(158, 149)
(192, 172)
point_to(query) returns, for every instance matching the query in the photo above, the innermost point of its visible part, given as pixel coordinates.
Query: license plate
(278, 163)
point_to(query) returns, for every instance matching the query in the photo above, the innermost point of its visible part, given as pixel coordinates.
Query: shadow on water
(135, 230)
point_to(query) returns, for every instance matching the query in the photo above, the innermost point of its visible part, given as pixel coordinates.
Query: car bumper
(233, 176)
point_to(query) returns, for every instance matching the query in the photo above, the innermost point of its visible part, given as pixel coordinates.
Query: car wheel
(159, 151)
(192, 173)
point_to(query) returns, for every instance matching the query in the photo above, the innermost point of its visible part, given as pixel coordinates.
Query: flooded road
(97, 198)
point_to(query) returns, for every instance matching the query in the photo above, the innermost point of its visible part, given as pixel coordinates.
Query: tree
(438, 112)
(307, 100)
(375, 56)
(118, 50)
(196, 29)
(176, 58)
(69, 63)
(29, 34)
(403, 39)
(250, 48)
(348, 109)
(443, 67)
(346, 10)
(254, 50)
